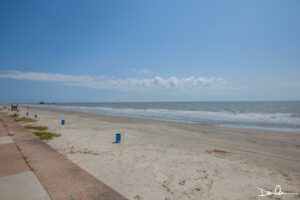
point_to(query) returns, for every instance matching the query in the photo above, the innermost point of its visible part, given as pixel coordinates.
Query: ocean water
(270, 115)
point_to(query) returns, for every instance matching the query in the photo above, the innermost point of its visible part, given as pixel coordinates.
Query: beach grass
(25, 119)
(46, 135)
(15, 115)
(37, 128)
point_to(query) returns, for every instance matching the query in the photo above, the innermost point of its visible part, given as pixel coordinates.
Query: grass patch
(37, 128)
(46, 135)
(15, 115)
(25, 119)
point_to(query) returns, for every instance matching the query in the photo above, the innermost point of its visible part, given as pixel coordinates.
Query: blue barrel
(118, 137)
(63, 122)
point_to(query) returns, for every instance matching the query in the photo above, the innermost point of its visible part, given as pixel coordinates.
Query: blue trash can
(63, 122)
(118, 137)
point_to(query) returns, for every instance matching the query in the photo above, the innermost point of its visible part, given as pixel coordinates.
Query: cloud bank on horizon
(102, 82)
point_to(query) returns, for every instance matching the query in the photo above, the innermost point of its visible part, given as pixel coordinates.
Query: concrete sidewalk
(31, 167)
(17, 181)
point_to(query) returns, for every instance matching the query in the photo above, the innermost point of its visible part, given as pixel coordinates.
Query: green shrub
(25, 119)
(46, 135)
(37, 128)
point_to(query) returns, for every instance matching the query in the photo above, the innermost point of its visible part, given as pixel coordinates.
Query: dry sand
(176, 161)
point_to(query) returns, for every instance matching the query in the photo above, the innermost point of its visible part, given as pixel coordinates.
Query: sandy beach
(159, 160)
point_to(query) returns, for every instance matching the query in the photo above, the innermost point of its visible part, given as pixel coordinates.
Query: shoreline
(171, 160)
(241, 127)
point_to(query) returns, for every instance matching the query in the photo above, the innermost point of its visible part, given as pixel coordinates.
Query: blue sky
(72, 51)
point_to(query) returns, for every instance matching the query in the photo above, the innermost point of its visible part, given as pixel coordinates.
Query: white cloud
(101, 82)
(140, 71)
